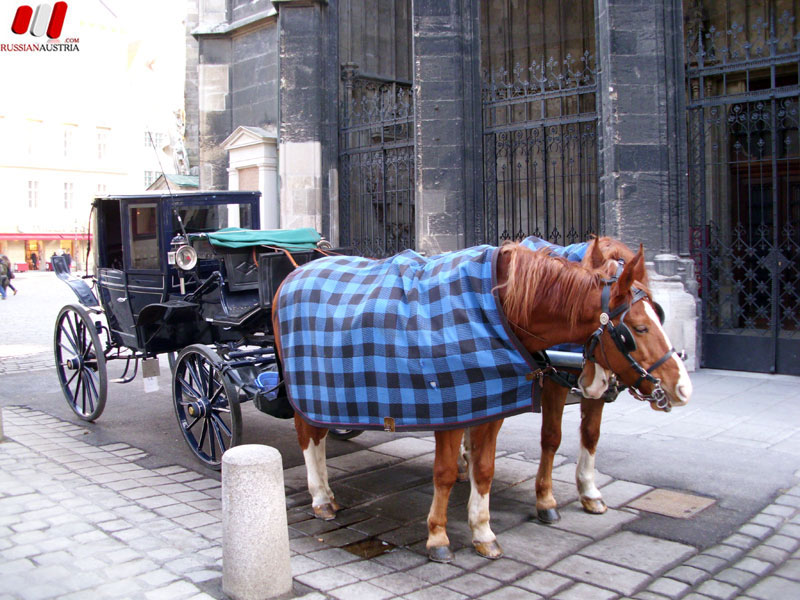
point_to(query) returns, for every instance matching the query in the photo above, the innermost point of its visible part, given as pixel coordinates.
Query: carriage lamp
(181, 254)
(186, 258)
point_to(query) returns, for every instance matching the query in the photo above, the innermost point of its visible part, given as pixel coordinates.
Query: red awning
(44, 236)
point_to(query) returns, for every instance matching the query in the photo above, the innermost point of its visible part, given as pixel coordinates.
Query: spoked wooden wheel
(206, 404)
(80, 362)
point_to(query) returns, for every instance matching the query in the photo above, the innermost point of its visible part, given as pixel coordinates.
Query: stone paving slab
(81, 521)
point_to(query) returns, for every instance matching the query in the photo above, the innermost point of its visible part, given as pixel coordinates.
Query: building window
(102, 143)
(69, 141)
(33, 194)
(149, 178)
(102, 189)
(154, 139)
(68, 194)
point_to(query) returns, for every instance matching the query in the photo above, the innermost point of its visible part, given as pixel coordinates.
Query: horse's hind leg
(445, 470)
(481, 448)
(553, 398)
(312, 443)
(463, 458)
(591, 414)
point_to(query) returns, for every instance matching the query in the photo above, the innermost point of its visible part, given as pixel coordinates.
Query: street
(735, 446)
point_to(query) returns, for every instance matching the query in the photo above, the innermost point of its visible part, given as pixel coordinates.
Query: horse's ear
(596, 254)
(633, 271)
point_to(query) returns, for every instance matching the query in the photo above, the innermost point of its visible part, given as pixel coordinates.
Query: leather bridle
(625, 342)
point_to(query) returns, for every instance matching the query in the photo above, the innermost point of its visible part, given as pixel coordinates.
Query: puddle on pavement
(369, 548)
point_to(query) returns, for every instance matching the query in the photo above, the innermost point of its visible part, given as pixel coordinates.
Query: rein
(624, 341)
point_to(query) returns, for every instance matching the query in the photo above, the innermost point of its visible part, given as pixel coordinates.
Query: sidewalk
(79, 521)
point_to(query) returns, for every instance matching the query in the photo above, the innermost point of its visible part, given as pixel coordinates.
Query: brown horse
(548, 301)
(553, 400)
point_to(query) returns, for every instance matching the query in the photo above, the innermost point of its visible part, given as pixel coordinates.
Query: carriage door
(539, 119)
(376, 128)
(742, 63)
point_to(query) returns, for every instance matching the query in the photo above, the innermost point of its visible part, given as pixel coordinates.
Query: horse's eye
(641, 329)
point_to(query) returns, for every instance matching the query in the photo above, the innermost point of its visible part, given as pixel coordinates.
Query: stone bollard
(255, 535)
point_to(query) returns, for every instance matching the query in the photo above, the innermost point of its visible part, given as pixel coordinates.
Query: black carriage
(189, 275)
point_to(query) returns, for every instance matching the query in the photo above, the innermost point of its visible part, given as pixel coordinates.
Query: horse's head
(630, 341)
(604, 254)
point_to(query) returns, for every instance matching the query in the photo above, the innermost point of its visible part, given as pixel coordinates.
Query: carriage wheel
(344, 434)
(206, 404)
(80, 362)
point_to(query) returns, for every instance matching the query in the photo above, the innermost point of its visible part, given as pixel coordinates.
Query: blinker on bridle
(625, 342)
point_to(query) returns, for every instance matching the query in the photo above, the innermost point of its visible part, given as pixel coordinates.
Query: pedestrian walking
(68, 258)
(3, 279)
(9, 275)
(35, 261)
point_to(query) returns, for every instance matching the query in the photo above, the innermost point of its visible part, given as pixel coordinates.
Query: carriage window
(205, 219)
(144, 236)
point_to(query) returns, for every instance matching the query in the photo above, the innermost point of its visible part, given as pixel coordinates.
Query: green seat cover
(304, 238)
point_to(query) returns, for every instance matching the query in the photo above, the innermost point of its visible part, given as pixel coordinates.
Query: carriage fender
(84, 293)
(174, 311)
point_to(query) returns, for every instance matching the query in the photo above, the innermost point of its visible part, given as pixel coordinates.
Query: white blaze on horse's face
(679, 393)
(593, 380)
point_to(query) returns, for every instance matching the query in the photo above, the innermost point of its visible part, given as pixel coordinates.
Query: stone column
(642, 134)
(268, 184)
(233, 179)
(306, 149)
(444, 73)
(642, 156)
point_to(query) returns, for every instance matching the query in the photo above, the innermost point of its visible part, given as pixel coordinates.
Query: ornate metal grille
(376, 165)
(743, 91)
(539, 120)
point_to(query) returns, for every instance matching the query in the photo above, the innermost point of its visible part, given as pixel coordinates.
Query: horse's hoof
(440, 554)
(462, 476)
(594, 506)
(490, 550)
(326, 512)
(548, 516)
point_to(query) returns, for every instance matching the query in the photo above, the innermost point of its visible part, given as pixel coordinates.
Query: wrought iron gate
(742, 70)
(539, 120)
(376, 165)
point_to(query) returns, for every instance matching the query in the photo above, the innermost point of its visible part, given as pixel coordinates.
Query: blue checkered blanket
(573, 252)
(420, 341)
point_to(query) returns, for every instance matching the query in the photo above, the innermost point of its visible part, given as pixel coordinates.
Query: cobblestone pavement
(31, 314)
(80, 521)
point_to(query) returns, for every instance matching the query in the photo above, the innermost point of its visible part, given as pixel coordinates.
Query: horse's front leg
(481, 447)
(591, 414)
(445, 471)
(312, 443)
(553, 398)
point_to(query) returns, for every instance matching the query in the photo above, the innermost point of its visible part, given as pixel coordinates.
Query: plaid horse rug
(404, 343)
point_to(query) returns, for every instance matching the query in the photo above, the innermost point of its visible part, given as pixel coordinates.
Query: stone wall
(237, 76)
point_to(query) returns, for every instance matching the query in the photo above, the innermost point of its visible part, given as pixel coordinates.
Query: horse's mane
(613, 250)
(542, 278)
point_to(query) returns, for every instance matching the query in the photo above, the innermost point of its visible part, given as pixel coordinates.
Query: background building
(100, 119)
(438, 124)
